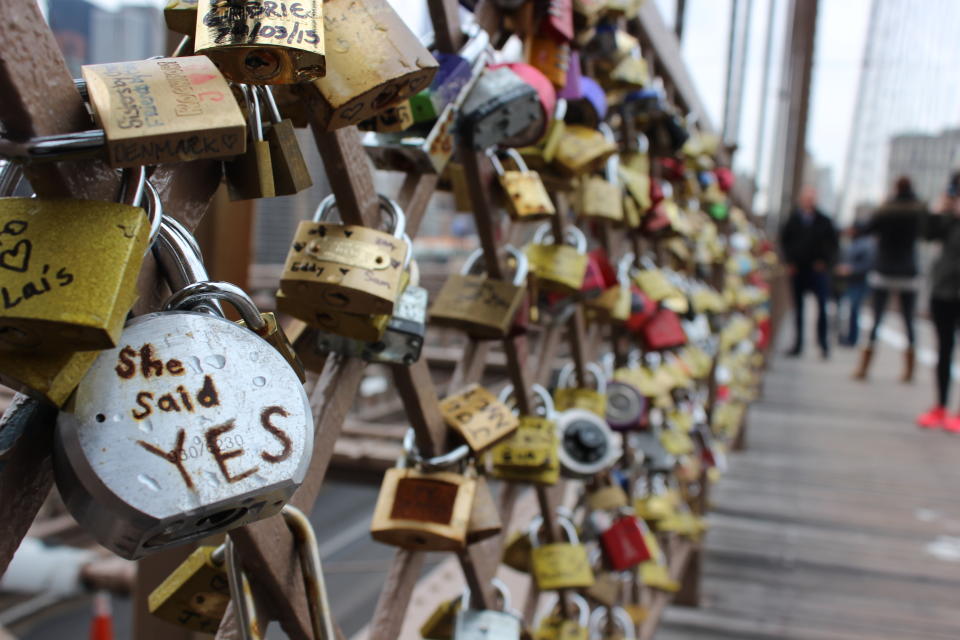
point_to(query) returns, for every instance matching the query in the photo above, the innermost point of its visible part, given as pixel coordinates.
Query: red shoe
(935, 418)
(952, 424)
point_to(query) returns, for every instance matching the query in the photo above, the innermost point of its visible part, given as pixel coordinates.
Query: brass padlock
(164, 110)
(181, 16)
(526, 197)
(421, 508)
(439, 626)
(560, 565)
(374, 62)
(289, 169)
(479, 305)
(531, 454)
(600, 623)
(334, 268)
(582, 150)
(263, 42)
(250, 175)
(91, 297)
(196, 594)
(271, 331)
(478, 416)
(555, 626)
(558, 267)
(599, 198)
(581, 396)
(484, 517)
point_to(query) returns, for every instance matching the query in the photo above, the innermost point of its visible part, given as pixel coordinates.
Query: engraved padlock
(559, 565)
(164, 110)
(582, 149)
(263, 42)
(333, 267)
(485, 624)
(559, 268)
(250, 175)
(526, 197)
(481, 306)
(80, 303)
(196, 594)
(531, 453)
(190, 426)
(374, 62)
(587, 445)
(579, 395)
(423, 507)
(290, 173)
(601, 198)
(478, 416)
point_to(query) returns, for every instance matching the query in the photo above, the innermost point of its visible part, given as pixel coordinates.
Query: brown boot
(909, 359)
(865, 357)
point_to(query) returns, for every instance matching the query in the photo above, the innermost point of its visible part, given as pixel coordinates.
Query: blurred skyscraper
(928, 160)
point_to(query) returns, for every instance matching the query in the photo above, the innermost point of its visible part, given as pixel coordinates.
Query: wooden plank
(349, 173)
(446, 24)
(422, 406)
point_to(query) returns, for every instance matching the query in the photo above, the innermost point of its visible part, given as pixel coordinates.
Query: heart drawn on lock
(17, 258)
(229, 140)
(200, 78)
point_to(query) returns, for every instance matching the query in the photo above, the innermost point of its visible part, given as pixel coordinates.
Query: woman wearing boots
(897, 226)
(945, 301)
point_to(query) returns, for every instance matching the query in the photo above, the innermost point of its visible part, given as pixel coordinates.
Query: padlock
(663, 330)
(260, 43)
(622, 541)
(550, 55)
(243, 461)
(582, 150)
(587, 445)
(607, 586)
(599, 198)
(164, 110)
(53, 376)
(555, 626)
(439, 626)
(530, 454)
(500, 105)
(399, 117)
(560, 565)
(453, 74)
(181, 16)
(567, 396)
(607, 497)
(431, 151)
(484, 516)
(516, 552)
(589, 110)
(559, 268)
(572, 88)
(374, 62)
(422, 508)
(629, 74)
(249, 176)
(241, 595)
(484, 624)
(344, 268)
(526, 197)
(196, 594)
(290, 173)
(626, 407)
(478, 416)
(271, 331)
(600, 618)
(481, 306)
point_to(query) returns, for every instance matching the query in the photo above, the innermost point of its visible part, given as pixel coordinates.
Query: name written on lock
(279, 20)
(141, 362)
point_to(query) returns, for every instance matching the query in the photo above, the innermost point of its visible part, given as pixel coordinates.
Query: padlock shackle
(179, 258)
(273, 111)
(538, 390)
(620, 617)
(254, 117)
(328, 204)
(583, 609)
(572, 236)
(568, 370)
(499, 586)
(314, 584)
(494, 154)
(442, 461)
(242, 596)
(566, 524)
(154, 211)
(200, 292)
(11, 174)
(78, 145)
(520, 272)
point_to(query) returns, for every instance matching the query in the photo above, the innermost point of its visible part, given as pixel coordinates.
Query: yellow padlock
(559, 267)
(526, 197)
(581, 396)
(560, 565)
(196, 594)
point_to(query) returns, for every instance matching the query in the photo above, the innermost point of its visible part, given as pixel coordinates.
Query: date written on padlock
(479, 417)
(164, 110)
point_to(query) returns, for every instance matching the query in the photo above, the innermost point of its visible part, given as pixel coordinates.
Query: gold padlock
(249, 176)
(263, 42)
(368, 328)
(607, 498)
(582, 150)
(181, 16)
(531, 454)
(374, 62)
(484, 517)
(479, 305)
(439, 626)
(560, 565)
(289, 169)
(478, 416)
(164, 110)
(581, 397)
(276, 337)
(601, 198)
(423, 509)
(335, 268)
(550, 56)
(526, 197)
(558, 267)
(196, 594)
(555, 626)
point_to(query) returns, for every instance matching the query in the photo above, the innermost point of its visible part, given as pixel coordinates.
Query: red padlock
(600, 274)
(663, 330)
(623, 544)
(642, 309)
(656, 191)
(725, 178)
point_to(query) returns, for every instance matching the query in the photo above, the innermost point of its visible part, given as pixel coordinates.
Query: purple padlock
(591, 109)
(573, 88)
(626, 407)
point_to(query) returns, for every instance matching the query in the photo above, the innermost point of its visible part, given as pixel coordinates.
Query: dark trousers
(855, 293)
(946, 315)
(818, 283)
(908, 303)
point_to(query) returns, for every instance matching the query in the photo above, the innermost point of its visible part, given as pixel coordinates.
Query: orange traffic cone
(101, 628)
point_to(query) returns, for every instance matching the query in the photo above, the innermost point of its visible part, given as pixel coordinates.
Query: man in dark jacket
(809, 244)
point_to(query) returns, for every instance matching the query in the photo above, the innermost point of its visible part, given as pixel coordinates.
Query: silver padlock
(190, 426)
(600, 617)
(487, 624)
(500, 106)
(587, 444)
(655, 456)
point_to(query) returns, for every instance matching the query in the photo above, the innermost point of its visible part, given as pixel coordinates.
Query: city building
(926, 159)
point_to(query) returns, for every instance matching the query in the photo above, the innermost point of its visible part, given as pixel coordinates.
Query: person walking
(945, 301)
(856, 262)
(809, 244)
(897, 228)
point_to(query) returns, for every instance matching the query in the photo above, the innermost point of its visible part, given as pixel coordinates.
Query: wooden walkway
(840, 521)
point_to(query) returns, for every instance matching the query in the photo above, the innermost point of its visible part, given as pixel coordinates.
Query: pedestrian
(809, 244)
(945, 300)
(897, 228)
(856, 262)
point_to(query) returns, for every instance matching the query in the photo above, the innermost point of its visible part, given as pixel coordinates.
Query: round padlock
(626, 406)
(587, 445)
